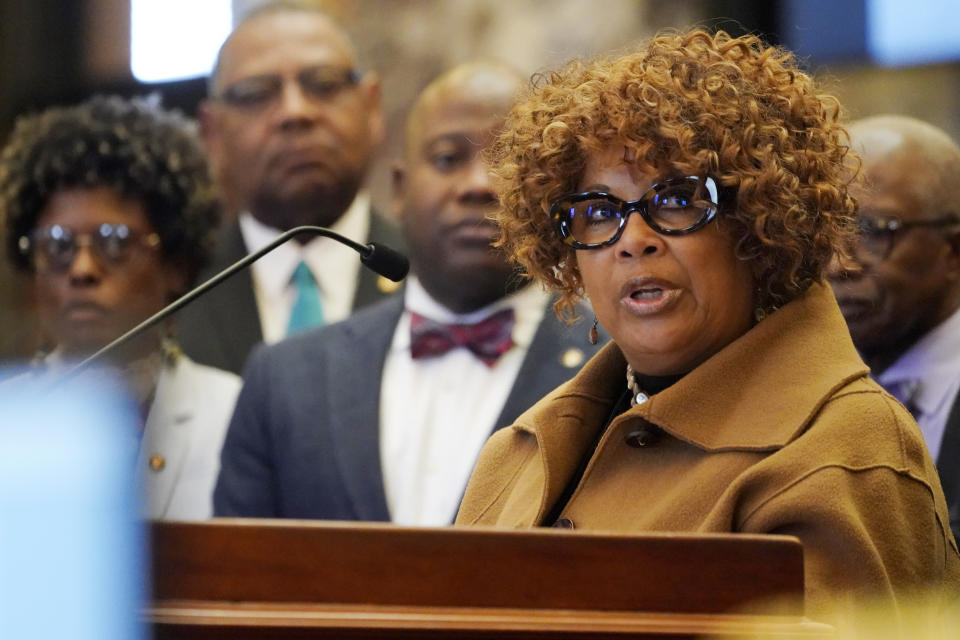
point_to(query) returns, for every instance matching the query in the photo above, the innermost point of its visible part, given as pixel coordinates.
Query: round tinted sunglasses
(54, 248)
(672, 207)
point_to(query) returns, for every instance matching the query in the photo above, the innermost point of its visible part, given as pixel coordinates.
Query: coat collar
(757, 394)
(763, 390)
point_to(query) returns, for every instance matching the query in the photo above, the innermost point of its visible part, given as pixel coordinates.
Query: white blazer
(179, 456)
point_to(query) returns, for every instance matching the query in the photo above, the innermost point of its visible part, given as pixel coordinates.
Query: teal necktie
(307, 310)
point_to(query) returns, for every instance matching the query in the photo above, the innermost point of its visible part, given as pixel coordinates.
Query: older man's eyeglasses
(878, 233)
(54, 248)
(672, 207)
(320, 82)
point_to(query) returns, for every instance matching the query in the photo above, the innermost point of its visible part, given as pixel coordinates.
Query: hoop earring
(593, 336)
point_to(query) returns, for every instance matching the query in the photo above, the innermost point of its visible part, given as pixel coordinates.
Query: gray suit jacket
(220, 328)
(304, 439)
(948, 466)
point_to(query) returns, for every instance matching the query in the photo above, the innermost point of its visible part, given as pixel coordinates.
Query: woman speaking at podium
(109, 208)
(695, 191)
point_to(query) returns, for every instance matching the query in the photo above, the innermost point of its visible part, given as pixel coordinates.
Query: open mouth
(644, 296)
(647, 293)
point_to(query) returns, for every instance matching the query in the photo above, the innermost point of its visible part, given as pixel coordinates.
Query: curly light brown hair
(132, 146)
(689, 103)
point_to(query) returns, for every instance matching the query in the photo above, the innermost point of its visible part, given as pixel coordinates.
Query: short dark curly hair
(133, 146)
(691, 103)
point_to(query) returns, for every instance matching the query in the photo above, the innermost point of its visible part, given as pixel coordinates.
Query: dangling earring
(760, 312)
(593, 337)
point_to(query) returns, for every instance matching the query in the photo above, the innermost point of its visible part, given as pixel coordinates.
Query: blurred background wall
(60, 51)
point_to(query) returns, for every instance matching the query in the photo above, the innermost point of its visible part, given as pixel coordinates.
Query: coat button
(642, 436)
(563, 523)
(157, 462)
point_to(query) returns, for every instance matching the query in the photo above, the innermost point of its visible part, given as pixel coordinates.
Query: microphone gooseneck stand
(380, 258)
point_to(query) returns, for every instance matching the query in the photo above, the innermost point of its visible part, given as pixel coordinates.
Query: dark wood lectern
(254, 579)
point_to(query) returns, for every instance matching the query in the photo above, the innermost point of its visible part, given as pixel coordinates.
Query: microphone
(387, 262)
(380, 258)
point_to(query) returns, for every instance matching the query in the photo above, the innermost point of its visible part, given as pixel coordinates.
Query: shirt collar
(931, 363)
(274, 270)
(931, 356)
(529, 304)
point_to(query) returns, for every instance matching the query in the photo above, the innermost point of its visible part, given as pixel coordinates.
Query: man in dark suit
(903, 304)
(381, 417)
(290, 127)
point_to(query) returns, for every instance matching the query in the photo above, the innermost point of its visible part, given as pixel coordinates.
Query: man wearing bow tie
(381, 417)
(902, 303)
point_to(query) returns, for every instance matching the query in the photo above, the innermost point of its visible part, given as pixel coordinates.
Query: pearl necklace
(636, 395)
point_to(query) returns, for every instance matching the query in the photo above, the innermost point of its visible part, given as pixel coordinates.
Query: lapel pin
(571, 358)
(385, 285)
(157, 462)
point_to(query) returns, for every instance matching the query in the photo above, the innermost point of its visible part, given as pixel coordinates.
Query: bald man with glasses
(291, 124)
(901, 299)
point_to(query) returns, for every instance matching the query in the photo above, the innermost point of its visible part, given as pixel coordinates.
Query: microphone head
(386, 261)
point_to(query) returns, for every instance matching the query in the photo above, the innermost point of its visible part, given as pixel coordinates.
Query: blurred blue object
(72, 552)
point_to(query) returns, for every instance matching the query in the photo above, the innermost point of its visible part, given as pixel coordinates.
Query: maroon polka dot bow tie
(488, 339)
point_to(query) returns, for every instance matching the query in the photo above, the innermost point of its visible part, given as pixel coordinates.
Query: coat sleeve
(854, 551)
(246, 484)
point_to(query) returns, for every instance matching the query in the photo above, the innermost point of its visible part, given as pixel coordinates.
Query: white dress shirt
(933, 365)
(437, 413)
(335, 267)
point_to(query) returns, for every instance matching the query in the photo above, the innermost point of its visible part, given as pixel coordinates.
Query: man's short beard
(321, 207)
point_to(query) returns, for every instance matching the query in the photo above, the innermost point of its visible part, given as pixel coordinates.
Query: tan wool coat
(780, 432)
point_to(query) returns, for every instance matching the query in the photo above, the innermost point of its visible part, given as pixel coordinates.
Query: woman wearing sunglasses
(109, 208)
(695, 192)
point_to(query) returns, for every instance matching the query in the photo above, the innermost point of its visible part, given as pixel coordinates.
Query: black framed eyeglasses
(54, 248)
(320, 82)
(672, 207)
(878, 233)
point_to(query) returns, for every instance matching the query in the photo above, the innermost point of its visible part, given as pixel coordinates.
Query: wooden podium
(257, 579)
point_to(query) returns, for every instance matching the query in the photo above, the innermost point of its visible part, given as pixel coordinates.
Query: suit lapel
(220, 328)
(554, 356)
(354, 401)
(166, 439)
(237, 315)
(948, 464)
